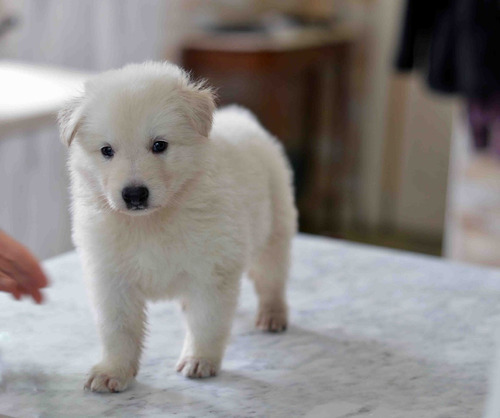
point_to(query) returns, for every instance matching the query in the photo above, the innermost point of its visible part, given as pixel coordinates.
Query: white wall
(94, 34)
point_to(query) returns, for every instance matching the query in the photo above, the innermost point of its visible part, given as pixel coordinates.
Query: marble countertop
(374, 333)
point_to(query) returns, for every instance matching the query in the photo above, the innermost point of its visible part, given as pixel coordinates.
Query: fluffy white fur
(220, 203)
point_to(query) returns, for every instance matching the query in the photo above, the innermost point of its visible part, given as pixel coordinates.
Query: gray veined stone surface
(374, 333)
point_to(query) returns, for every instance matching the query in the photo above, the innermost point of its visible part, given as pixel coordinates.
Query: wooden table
(284, 81)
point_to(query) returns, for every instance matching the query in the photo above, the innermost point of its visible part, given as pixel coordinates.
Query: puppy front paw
(195, 367)
(103, 378)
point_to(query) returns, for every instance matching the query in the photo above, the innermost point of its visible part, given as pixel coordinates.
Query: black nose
(135, 197)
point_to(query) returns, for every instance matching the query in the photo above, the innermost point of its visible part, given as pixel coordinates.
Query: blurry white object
(33, 94)
(33, 180)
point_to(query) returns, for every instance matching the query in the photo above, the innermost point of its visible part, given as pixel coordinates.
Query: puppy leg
(209, 314)
(121, 321)
(269, 274)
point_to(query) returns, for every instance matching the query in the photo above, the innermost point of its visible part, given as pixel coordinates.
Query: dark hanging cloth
(456, 43)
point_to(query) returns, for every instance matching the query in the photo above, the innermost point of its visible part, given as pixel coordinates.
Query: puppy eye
(108, 152)
(159, 147)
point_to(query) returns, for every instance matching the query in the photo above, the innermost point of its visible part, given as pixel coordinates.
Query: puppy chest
(161, 269)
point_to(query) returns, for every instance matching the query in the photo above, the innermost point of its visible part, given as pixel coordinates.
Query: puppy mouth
(136, 207)
(138, 210)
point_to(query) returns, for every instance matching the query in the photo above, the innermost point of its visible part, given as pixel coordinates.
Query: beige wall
(421, 202)
(373, 65)
(404, 132)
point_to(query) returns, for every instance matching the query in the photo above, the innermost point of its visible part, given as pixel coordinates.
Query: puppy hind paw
(271, 320)
(194, 367)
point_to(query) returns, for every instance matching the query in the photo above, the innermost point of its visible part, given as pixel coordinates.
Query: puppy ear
(200, 106)
(70, 118)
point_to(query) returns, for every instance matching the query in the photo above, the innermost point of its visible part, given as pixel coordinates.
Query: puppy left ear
(70, 118)
(200, 106)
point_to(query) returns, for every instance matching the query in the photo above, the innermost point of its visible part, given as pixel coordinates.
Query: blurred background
(383, 153)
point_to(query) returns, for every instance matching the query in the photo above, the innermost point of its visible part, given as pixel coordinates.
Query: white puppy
(174, 199)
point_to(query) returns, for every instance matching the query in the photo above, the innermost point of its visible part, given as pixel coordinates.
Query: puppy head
(138, 135)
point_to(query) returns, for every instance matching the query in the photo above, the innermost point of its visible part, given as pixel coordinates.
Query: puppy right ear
(70, 118)
(200, 106)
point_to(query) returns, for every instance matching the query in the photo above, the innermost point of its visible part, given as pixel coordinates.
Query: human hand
(20, 271)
